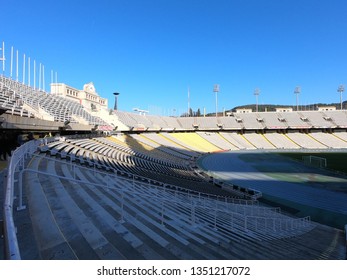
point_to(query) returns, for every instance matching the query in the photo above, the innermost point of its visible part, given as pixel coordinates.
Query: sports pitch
(289, 167)
(286, 181)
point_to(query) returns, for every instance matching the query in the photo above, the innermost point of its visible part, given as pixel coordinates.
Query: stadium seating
(11, 102)
(238, 140)
(329, 140)
(259, 141)
(194, 142)
(95, 215)
(140, 195)
(59, 108)
(280, 141)
(216, 140)
(305, 141)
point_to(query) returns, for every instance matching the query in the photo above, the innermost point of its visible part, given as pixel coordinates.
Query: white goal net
(315, 161)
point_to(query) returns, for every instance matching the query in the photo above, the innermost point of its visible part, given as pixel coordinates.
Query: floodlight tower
(341, 89)
(216, 90)
(297, 91)
(116, 94)
(256, 93)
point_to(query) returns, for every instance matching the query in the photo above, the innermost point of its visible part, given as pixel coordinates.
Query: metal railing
(196, 210)
(16, 161)
(199, 203)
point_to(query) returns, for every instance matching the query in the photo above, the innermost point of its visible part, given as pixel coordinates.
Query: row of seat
(60, 108)
(9, 101)
(249, 141)
(98, 155)
(93, 215)
(238, 121)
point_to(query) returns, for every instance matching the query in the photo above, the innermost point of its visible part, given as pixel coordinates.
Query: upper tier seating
(61, 109)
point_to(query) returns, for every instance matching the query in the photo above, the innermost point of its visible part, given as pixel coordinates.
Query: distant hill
(269, 108)
(272, 107)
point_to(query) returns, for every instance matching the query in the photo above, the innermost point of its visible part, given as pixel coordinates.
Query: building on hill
(87, 97)
(282, 110)
(326, 108)
(243, 110)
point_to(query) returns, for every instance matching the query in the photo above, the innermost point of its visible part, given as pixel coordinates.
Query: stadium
(85, 182)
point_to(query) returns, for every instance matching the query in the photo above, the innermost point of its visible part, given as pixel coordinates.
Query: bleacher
(329, 140)
(11, 102)
(250, 121)
(15, 95)
(271, 120)
(280, 141)
(305, 140)
(80, 210)
(337, 117)
(94, 215)
(140, 195)
(104, 154)
(237, 140)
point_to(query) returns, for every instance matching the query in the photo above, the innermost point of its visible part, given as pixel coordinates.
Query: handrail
(131, 177)
(17, 159)
(18, 156)
(197, 210)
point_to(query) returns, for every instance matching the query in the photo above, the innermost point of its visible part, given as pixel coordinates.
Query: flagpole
(11, 64)
(3, 57)
(24, 69)
(34, 74)
(43, 77)
(40, 77)
(29, 71)
(188, 101)
(17, 67)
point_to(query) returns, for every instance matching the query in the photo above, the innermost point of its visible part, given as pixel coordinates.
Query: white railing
(195, 212)
(16, 161)
(96, 167)
(199, 204)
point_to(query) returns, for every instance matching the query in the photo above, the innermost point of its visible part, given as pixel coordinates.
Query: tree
(198, 113)
(191, 113)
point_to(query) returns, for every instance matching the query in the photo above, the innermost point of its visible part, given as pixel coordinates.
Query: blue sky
(151, 51)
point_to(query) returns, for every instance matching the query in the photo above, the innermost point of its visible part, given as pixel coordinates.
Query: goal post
(315, 161)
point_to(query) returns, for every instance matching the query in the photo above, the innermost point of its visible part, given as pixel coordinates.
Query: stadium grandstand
(86, 182)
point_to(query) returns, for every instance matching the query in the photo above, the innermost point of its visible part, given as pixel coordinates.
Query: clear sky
(151, 51)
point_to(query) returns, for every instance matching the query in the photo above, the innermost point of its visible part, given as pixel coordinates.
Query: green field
(335, 161)
(289, 167)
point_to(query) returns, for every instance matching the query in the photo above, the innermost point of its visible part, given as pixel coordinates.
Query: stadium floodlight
(256, 93)
(116, 94)
(297, 91)
(341, 89)
(216, 90)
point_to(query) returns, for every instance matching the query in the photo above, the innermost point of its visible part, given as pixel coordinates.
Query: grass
(335, 161)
